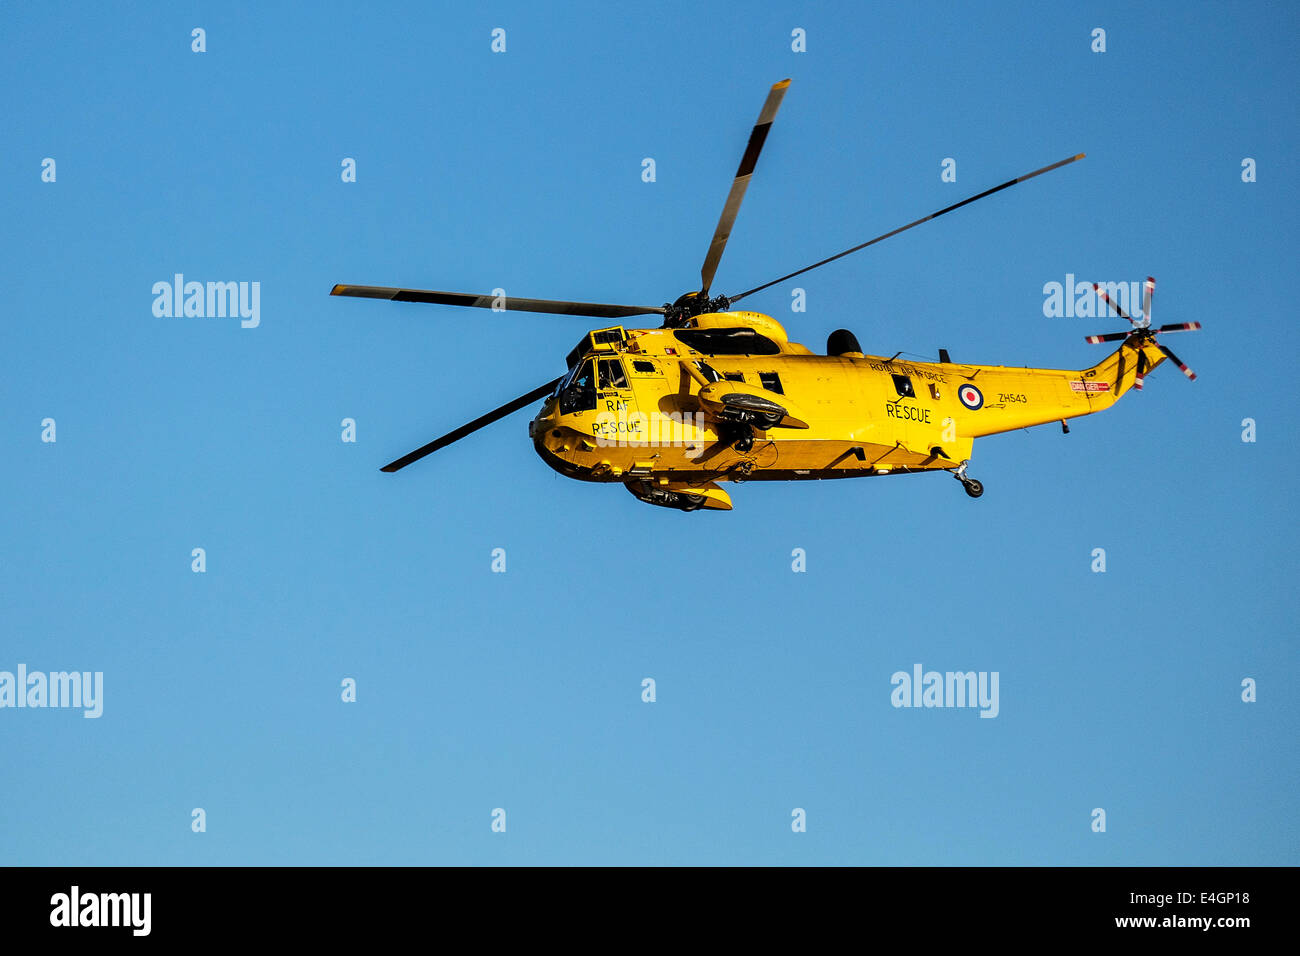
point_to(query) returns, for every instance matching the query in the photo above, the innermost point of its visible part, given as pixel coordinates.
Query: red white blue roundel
(971, 397)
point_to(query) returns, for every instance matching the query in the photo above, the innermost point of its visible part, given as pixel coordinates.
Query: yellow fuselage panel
(864, 415)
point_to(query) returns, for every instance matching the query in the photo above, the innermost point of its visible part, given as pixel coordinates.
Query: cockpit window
(611, 374)
(578, 391)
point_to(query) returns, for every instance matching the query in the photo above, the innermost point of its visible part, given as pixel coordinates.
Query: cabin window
(771, 381)
(608, 336)
(903, 385)
(643, 367)
(611, 374)
(734, 376)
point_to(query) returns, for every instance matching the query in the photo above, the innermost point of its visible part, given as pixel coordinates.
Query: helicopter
(718, 394)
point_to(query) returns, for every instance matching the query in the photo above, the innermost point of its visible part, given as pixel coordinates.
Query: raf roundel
(971, 397)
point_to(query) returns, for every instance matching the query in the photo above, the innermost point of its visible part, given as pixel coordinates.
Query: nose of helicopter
(549, 441)
(545, 417)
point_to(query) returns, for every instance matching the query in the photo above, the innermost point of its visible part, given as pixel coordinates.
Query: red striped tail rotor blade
(1148, 290)
(1180, 327)
(1109, 337)
(1142, 365)
(1179, 362)
(1113, 304)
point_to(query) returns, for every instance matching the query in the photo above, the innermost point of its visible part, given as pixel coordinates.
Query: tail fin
(1126, 367)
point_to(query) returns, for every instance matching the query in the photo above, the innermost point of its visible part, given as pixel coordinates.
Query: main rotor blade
(741, 183)
(471, 427)
(1179, 327)
(509, 303)
(934, 215)
(1109, 337)
(1148, 290)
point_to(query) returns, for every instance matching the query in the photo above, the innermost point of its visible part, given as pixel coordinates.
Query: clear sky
(476, 690)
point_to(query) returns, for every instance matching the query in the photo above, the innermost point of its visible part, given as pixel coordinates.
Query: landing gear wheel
(739, 435)
(692, 502)
(973, 487)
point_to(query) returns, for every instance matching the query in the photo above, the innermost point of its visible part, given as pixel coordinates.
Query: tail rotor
(1142, 333)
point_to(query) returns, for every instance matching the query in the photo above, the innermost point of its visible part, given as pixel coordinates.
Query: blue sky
(523, 690)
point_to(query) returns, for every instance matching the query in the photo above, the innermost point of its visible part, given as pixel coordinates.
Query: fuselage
(637, 405)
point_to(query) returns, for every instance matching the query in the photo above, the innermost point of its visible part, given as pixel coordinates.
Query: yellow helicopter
(717, 394)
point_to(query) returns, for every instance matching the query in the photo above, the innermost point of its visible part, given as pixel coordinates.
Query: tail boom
(1023, 397)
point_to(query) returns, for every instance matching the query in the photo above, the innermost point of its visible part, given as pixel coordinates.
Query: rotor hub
(687, 306)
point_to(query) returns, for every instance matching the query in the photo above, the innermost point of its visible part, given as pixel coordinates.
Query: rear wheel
(973, 487)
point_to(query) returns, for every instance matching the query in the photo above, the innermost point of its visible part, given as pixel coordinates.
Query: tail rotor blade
(1180, 327)
(1142, 365)
(1109, 337)
(1113, 304)
(1148, 290)
(1179, 362)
